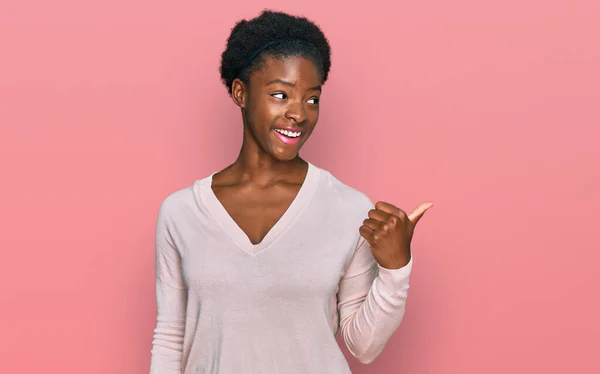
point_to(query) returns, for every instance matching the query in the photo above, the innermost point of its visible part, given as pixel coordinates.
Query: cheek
(264, 111)
(315, 113)
(272, 110)
(312, 115)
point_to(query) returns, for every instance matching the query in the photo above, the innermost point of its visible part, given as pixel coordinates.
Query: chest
(256, 212)
(306, 261)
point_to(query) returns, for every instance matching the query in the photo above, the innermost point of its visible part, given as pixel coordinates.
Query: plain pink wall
(489, 109)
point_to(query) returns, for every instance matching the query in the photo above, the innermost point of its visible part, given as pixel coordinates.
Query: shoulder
(179, 202)
(176, 199)
(348, 196)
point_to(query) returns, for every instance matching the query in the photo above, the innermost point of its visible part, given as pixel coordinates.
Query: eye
(279, 95)
(315, 100)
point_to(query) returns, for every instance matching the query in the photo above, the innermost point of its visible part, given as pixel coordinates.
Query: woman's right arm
(171, 302)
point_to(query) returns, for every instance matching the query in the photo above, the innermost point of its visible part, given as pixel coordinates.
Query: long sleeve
(371, 303)
(171, 302)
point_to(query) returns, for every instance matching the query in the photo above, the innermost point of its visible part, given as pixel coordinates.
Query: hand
(389, 232)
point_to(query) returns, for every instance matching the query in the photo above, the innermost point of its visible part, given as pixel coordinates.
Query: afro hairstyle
(274, 34)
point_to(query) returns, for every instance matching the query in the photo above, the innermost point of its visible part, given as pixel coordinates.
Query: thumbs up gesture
(389, 232)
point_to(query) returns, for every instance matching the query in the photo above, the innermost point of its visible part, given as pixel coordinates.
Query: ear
(239, 91)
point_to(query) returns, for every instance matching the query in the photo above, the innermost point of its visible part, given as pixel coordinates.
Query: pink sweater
(225, 305)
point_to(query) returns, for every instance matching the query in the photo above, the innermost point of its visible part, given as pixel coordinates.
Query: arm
(371, 303)
(171, 302)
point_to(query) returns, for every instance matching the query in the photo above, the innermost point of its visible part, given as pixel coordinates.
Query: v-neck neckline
(235, 232)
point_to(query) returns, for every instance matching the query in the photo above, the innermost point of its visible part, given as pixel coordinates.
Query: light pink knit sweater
(228, 306)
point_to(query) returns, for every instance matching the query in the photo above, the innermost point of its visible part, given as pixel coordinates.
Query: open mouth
(287, 136)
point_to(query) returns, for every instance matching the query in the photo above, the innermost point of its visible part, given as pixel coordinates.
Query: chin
(285, 156)
(285, 153)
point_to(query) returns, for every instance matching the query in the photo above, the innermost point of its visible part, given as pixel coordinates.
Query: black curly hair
(275, 34)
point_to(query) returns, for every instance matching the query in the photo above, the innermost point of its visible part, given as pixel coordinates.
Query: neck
(254, 164)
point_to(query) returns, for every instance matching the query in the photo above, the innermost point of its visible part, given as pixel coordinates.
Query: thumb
(418, 212)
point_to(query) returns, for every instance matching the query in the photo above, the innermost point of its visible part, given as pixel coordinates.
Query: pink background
(489, 109)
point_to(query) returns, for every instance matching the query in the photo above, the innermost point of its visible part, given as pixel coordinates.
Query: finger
(379, 215)
(387, 207)
(418, 212)
(366, 232)
(373, 224)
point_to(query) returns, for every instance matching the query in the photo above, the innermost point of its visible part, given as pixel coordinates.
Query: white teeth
(289, 133)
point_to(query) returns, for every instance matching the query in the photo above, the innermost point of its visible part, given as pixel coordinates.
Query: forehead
(301, 71)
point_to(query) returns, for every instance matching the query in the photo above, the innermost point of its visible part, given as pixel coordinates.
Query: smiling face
(280, 105)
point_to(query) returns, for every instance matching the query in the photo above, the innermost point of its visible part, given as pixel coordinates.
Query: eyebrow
(315, 88)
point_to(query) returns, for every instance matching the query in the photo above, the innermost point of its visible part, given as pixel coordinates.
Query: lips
(286, 139)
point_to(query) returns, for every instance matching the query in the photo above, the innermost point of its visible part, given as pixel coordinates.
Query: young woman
(260, 264)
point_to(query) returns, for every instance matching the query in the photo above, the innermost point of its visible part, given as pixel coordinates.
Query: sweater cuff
(394, 280)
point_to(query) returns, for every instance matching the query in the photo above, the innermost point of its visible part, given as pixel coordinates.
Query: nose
(295, 111)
